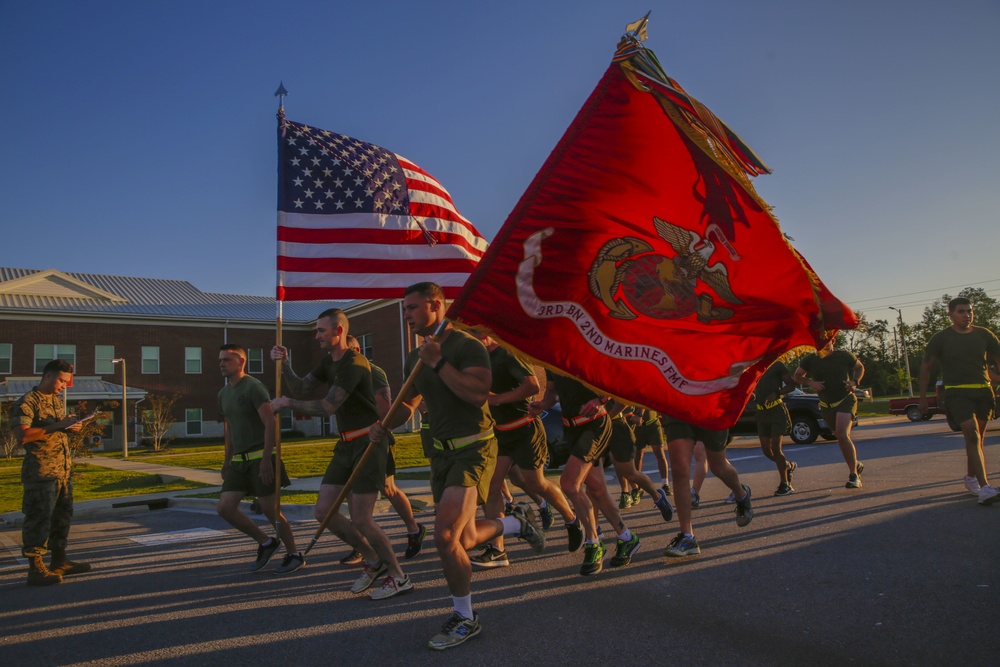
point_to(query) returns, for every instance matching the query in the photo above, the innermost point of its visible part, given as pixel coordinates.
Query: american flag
(356, 221)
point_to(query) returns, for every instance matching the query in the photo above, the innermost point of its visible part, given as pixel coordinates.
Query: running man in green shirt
(965, 352)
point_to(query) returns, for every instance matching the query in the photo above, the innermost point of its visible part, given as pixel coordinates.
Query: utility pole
(906, 356)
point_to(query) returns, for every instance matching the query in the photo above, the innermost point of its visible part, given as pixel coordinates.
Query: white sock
(626, 536)
(542, 505)
(511, 526)
(463, 605)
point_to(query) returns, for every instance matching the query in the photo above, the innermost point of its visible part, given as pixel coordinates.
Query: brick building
(168, 333)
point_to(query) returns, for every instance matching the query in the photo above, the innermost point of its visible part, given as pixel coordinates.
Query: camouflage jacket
(48, 458)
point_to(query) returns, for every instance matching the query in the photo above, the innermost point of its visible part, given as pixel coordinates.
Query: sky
(140, 136)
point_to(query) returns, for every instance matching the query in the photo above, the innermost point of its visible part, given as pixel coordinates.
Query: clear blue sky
(139, 136)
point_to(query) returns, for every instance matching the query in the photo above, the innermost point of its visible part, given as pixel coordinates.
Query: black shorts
(525, 445)
(648, 435)
(713, 440)
(773, 422)
(244, 477)
(848, 406)
(347, 454)
(622, 445)
(589, 441)
(962, 404)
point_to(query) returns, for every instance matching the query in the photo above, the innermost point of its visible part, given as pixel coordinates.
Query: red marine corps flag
(642, 261)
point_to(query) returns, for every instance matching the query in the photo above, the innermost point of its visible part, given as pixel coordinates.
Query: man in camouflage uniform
(40, 426)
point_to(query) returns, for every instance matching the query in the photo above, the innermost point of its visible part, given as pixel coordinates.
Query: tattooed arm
(323, 407)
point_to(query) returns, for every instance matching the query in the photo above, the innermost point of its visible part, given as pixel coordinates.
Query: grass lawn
(302, 458)
(89, 483)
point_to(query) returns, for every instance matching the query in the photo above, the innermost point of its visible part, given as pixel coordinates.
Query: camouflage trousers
(48, 511)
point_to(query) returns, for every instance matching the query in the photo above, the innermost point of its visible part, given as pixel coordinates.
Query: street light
(906, 356)
(125, 410)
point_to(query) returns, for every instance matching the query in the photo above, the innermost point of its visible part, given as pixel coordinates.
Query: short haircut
(428, 290)
(956, 302)
(57, 366)
(233, 347)
(352, 342)
(335, 315)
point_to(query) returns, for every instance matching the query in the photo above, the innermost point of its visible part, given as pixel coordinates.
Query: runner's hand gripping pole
(371, 447)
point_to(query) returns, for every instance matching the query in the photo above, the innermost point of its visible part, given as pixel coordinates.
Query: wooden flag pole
(371, 447)
(277, 429)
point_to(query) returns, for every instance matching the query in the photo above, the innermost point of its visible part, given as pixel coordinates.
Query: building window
(192, 421)
(103, 354)
(365, 342)
(5, 363)
(287, 421)
(255, 360)
(192, 360)
(150, 360)
(46, 353)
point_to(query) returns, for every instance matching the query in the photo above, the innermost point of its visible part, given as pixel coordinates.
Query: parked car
(807, 420)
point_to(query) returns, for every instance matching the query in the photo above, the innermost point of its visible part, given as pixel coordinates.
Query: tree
(158, 419)
(81, 442)
(7, 439)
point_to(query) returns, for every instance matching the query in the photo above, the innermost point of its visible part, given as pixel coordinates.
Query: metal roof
(53, 291)
(83, 389)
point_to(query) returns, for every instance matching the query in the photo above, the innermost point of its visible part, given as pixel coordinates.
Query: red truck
(911, 406)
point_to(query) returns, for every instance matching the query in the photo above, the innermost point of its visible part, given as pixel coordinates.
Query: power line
(938, 289)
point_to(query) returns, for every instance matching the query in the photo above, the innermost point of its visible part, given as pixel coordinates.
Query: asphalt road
(901, 572)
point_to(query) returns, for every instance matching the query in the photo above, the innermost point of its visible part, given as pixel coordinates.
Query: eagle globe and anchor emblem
(664, 287)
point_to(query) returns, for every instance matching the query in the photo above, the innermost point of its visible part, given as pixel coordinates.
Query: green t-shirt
(573, 394)
(353, 374)
(239, 405)
(451, 417)
(963, 357)
(833, 371)
(770, 382)
(508, 374)
(379, 379)
(48, 458)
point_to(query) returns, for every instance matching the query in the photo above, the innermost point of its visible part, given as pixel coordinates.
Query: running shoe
(456, 630)
(575, 535)
(988, 495)
(545, 514)
(666, 488)
(490, 557)
(264, 553)
(972, 485)
(792, 467)
(624, 551)
(730, 499)
(415, 542)
(853, 482)
(352, 558)
(624, 500)
(784, 490)
(636, 495)
(290, 563)
(593, 558)
(681, 546)
(369, 575)
(744, 509)
(391, 587)
(531, 532)
(508, 509)
(663, 504)
(695, 499)
(861, 468)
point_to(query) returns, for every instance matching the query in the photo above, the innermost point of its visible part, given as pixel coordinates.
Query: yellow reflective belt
(833, 405)
(777, 402)
(250, 456)
(458, 443)
(985, 385)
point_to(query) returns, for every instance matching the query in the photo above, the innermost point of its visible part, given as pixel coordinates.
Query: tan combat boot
(63, 566)
(39, 575)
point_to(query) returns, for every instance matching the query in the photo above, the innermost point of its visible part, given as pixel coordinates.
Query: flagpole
(370, 449)
(280, 94)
